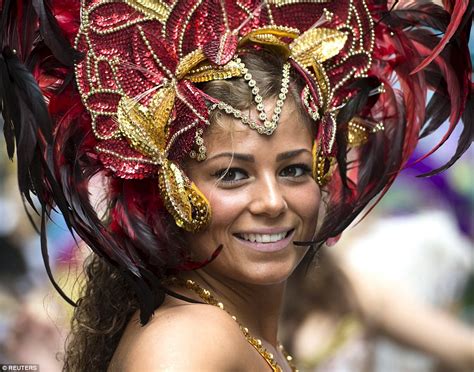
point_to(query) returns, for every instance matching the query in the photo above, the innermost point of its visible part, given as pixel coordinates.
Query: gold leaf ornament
(209, 72)
(271, 36)
(323, 166)
(183, 200)
(317, 43)
(134, 123)
(154, 9)
(146, 128)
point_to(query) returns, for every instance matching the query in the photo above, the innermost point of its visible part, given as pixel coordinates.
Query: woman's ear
(332, 241)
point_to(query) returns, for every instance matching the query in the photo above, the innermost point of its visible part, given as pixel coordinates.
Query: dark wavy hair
(103, 310)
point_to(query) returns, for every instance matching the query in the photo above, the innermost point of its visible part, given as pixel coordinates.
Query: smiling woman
(263, 197)
(232, 139)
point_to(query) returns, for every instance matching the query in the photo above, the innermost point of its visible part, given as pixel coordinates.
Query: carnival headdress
(126, 102)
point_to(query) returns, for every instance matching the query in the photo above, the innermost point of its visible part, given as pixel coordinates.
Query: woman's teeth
(263, 238)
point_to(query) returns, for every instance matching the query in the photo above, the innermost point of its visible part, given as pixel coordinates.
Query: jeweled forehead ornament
(143, 59)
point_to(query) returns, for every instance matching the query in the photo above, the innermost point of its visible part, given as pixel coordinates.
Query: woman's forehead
(230, 134)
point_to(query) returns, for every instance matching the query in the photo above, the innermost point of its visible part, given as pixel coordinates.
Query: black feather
(358, 102)
(425, 15)
(44, 252)
(465, 139)
(53, 36)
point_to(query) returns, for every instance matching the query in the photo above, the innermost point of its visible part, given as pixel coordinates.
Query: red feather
(460, 7)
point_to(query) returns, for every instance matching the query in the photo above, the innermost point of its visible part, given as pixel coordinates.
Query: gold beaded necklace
(209, 299)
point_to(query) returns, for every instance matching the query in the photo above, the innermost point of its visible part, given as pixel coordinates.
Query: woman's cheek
(306, 204)
(226, 206)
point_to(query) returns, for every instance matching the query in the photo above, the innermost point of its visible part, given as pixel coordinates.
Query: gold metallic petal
(133, 119)
(279, 3)
(271, 35)
(323, 166)
(151, 8)
(145, 128)
(189, 62)
(319, 43)
(322, 81)
(173, 188)
(160, 108)
(210, 72)
(182, 198)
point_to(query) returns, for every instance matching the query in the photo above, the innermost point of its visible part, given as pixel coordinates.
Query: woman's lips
(263, 242)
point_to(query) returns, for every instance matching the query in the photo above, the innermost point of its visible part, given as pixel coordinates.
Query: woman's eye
(295, 171)
(230, 175)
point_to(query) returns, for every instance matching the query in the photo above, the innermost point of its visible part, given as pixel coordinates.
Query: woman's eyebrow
(234, 155)
(250, 158)
(291, 154)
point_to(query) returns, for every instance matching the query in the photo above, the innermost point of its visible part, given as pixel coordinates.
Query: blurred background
(396, 293)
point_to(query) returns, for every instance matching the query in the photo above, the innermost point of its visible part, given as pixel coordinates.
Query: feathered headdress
(112, 88)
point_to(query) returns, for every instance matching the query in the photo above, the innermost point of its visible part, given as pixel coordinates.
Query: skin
(254, 183)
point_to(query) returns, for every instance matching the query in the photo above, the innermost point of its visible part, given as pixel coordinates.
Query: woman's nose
(268, 198)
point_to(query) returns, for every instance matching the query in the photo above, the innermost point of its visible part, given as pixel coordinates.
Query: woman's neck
(256, 307)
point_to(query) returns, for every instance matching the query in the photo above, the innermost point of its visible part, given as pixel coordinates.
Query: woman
(214, 132)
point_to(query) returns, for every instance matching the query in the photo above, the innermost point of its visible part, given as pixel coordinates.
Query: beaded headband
(143, 57)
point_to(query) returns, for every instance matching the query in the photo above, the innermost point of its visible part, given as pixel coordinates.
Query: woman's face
(262, 197)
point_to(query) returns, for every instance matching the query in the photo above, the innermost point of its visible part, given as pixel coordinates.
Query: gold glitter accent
(188, 62)
(317, 43)
(279, 3)
(183, 200)
(126, 158)
(155, 9)
(209, 72)
(323, 166)
(358, 131)
(146, 128)
(278, 32)
(307, 97)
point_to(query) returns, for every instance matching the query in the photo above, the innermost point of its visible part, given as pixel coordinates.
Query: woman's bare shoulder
(186, 337)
